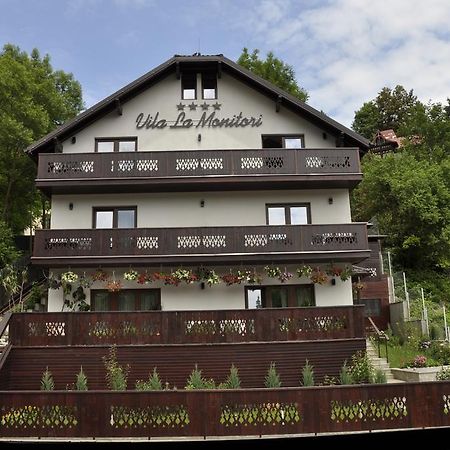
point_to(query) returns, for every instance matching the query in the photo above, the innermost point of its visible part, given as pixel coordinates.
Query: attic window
(105, 145)
(282, 141)
(209, 86)
(189, 86)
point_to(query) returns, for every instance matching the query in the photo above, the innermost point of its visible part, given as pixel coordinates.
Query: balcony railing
(186, 327)
(345, 242)
(242, 412)
(205, 167)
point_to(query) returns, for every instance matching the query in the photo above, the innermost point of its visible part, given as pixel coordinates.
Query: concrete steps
(380, 363)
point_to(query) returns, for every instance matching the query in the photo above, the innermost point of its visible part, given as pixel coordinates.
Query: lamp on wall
(330, 200)
(333, 281)
(71, 206)
(202, 203)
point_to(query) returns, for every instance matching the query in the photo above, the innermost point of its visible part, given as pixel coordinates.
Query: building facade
(199, 186)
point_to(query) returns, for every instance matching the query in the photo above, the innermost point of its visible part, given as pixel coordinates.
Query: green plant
(345, 375)
(307, 375)
(379, 377)
(81, 383)
(272, 378)
(435, 332)
(196, 381)
(152, 384)
(443, 374)
(232, 381)
(329, 380)
(47, 383)
(116, 375)
(361, 368)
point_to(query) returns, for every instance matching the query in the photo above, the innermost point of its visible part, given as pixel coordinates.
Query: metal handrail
(381, 336)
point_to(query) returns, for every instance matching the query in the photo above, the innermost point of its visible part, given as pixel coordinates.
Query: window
(105, 145)
(293, 214)
(126, 300)
(189, 86)
(301, 295)
(282, 141)
(209, 86)
(115, 217)
(372, 307)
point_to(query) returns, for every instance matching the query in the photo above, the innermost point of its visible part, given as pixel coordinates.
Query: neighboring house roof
(388, 136)
(176, 64)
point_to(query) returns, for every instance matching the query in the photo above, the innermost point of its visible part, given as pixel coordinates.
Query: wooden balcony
(211, 245)
(196, 170)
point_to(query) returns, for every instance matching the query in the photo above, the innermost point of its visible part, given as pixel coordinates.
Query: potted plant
(318, 276)
(285, 276)
(130, 275)
(100, 275)
(272, 272)
(304, 271)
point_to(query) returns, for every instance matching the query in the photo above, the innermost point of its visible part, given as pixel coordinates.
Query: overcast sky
(343, 51)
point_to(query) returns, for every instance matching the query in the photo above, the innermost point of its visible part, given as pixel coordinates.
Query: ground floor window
(126, 300)
(300, 295)
(372, 306)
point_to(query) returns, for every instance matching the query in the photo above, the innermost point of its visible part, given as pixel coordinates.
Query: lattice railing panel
(175, 416)
(258, 162)
(339, 238)
(74, 167)
(257, 414)
(46, 329)
(38, 417)
(325, 162)
(313, 324)
(369, 410)
(131, 165)
(104, 329)
(224, 327)
(193, 164)
(195, 241)
(78, 243)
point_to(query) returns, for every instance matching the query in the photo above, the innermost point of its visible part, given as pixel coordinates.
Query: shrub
(379, 377)
(435, 332)
(81, 381)
(196, 381)
(361, 368)
(272, 378)
(152, 384)
(116, 375)
(345, 376)
(232, 381)
(307, 375)
(329, 380)
(440, 351)
(443, 374)
(47, 383)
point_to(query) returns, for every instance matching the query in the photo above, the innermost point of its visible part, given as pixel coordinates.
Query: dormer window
(282, 141)
(209, 86)
(189, 86)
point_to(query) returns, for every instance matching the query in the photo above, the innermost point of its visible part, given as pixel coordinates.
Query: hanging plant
(304, 271)
(144, 278)
(272, 272)
(318, 277)
(254, 278)
(285, 276)
(85, 281)
(69, 277)
(334, 271)
(131, 275)
(113, 286)
(100, 275)
(346, 273)
(158, 276)
(185, 275)
(357, 287)
(171, 280)
(210, 277)
(230, 278)
(53, 282)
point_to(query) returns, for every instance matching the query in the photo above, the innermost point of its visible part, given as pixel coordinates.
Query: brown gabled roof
(178, 63)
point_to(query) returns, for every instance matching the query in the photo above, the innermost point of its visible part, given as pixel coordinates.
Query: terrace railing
(184, 327)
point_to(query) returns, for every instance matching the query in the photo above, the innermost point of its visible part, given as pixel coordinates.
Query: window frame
(291, 298)
(283, 138)
(113, 299)
(116, 141)
(114, 210)
(287, 211)
(213, 76)
(196, 85)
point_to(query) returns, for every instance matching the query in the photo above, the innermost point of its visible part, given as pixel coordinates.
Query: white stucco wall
(234, 97)
(221, 296)
(183, 209)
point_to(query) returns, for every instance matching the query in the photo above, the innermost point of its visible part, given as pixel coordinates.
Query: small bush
(329, 380)
(436, 332)
(345, 376)
(116, 375)
(232, 381)
(361, 368)
(307, 375)
(379, 377)
(272, 378)
(443, 374)
(440, 351)
(152, 384)
(417, 362)
(47, 383)
(81, 381)
(196, 381)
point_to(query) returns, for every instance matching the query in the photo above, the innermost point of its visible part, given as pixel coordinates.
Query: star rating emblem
(192, 106)
(204, 106)
(180, 106)
(216, 106)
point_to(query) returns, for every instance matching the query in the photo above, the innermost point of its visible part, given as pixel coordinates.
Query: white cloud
(345, 51)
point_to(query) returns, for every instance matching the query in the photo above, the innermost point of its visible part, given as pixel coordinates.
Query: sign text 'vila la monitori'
(207, 120)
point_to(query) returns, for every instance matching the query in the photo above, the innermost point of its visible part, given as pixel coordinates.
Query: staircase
(380, 363)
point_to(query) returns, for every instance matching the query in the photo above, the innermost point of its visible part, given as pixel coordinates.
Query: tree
(274, 70)
(391, 109)
(35, 99)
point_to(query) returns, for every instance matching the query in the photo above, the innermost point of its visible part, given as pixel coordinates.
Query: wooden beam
(178, 71)
(119, 108)
(219, 69)
(58, 146)
(278, 103)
